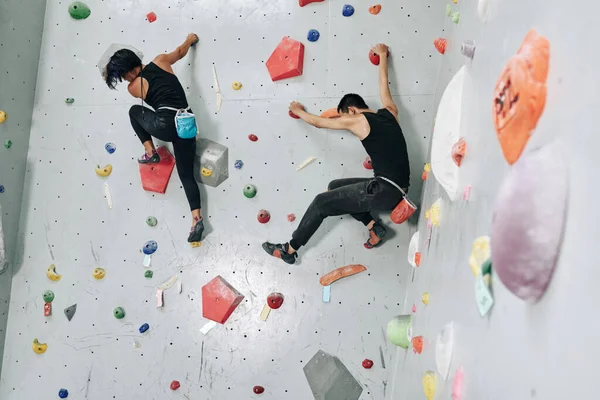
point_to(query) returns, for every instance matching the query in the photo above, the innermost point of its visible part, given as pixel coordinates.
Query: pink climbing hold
(414, 308)
(151, 16)
(305, 2)
(368, 164)
(291, 217)
(253, 137)
(458, 151)
(374, 57)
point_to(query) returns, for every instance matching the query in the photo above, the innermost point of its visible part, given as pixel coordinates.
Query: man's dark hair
(351, 100)
(120, 64)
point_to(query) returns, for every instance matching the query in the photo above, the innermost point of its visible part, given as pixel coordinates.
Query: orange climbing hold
(440, 45)
(458, 151)
(417, 344)
(403, 211)
(330, 113)
(219, 300)
(418, 258)
(375, 9)
(287, 60)
(340, 273)
(305, 2)
(520, 95)
(155, 177)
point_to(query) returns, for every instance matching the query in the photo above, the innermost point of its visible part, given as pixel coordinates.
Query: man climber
(382, 138)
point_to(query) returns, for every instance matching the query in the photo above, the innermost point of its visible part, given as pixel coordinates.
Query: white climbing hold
(159, 298)
(207, 327)
(444, 348)
(413, 247)
(217, 88)
(179, 287)
(483, 9)
(305, 163)
(168, 283)
(108, 196)
(147, 260)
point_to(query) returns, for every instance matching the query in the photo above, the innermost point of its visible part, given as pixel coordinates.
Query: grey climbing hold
(70, 311)
(214, 157)
(329, 379)
(151, 221)
(48, 296)
(79, 10)
(468, 48)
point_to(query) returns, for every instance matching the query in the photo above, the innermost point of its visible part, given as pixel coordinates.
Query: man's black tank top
(165, 89)
(387, 148)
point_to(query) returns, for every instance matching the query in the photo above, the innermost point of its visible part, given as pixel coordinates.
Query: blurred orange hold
(418, 258)
(330, 113)
(520, 95)
(375, 9)
(403, 211)
(458, 151)
(417, 344)
(440, 45)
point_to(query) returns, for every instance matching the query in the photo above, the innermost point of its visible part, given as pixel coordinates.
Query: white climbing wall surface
(518, 351)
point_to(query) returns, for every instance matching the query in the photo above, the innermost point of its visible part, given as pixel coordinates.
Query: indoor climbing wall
(520, 350)
(67, 222)
(21, 25)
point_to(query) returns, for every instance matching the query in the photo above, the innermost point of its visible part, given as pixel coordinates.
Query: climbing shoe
(376, 234)
(280, 251)
(196, 232)
(146, 159)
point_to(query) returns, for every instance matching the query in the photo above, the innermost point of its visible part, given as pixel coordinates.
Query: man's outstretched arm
(384, 88)
(180, 52)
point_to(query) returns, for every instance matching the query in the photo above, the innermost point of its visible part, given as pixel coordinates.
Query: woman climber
(157, 85)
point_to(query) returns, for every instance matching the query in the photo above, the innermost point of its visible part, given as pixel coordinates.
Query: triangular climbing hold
(219, 299)
(70, 311)
(440, 45)
(155, 177)
(287, 60)
(305, 2)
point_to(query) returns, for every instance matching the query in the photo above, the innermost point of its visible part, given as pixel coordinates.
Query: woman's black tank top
(386, 146)
(165, 89)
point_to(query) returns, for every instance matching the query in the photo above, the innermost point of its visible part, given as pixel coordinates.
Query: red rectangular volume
(155, 177)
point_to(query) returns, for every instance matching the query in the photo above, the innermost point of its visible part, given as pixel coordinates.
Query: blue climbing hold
(238, 164)
(110, 147)
(1, 188)
(63, 393)
(313, 35)
(144, 328)
(150, 247)
(348, 10)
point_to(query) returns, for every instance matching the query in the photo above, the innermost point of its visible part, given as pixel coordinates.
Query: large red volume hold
(155, 177)
(287, 60)
(305, 2)
(219, 300)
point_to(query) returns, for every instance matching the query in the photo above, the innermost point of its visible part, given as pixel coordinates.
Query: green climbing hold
(399, 330)
(79, 10)
(448, 10)
(456, 17)
(8, 144)
(48, 296)
(119, 313)
(148, 273)
(249, 191)
(69, 100)
(151, 221)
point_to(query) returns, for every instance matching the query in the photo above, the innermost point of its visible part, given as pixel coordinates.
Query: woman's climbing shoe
(146, 159)
(196, 232)
(280, 251)
(376, 235)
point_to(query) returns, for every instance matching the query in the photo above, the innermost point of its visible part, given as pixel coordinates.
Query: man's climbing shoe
(196, 232)
(376, 234)
(146, 159)
(280, 251)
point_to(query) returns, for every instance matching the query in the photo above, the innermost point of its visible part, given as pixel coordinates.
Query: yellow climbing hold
(195, 244)
(3, 116)
(99, 273)
(479, 253)
(236, 85)
(433, 214)
(427, 167)
(206, 171)
(455, 1)
(103, 171)
(39, 348)
(51, 273)
(429, 383)
(425, 298)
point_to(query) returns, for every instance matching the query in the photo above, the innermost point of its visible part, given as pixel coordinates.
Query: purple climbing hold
(348, 10)
(144, 328)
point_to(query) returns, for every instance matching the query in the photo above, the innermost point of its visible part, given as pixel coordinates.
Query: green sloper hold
(399, 330)
(48, 296)
(148, 273)
(249, 191)
(456, 17)
(119, 313)
(151, 221)
(79, 10)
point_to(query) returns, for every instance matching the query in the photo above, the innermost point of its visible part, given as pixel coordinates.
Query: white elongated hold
(217, 88)
(305, 163)
(147, 260)
(483, 9)
(179, 287)
(207, 327)
(413, 248)
(108, 196)
(264, 314)
(159, 298)
(168, 283)
(326, 294)
(444, 348)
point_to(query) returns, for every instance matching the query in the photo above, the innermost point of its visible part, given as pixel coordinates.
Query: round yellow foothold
(104, 171)
(425, 298)
(206, 171)
(99, 273)
(51, 273)
(3, 116)
(236, 85)
(429, 384)
(39, 348)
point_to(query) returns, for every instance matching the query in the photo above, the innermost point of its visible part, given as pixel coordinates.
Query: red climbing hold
(275, 300)
(175, 385)
(291, 217)
(253, 137)
(403, 211)
(263, 216)
(151, 16)
(155, 177)
(291, 114)
(374, 57)
(440, 45)
(258, 389)
(368, 164)
(219, 299)
(367, 364)
(287, 60)
(305, 2)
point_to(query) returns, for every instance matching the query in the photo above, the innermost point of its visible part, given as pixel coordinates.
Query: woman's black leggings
(147, 123)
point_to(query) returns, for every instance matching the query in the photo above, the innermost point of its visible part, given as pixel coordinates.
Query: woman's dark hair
(351, 100)
(120, 64)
